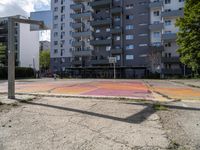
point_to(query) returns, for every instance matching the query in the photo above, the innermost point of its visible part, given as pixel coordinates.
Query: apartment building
(87, 32)
(163, 33)
(26, 44)
(45, 46)
(60, 35)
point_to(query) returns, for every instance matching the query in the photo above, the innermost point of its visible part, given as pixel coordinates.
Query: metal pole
(114, 71)
(11, 60)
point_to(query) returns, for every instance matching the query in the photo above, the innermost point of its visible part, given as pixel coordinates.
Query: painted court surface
(141, 89)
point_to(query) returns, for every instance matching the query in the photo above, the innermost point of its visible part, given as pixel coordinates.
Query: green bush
(20, 72)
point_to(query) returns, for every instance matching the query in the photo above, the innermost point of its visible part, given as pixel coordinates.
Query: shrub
(20, 72)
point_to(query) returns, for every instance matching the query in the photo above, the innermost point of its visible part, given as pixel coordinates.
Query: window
(167, 1)
(55, 51)
(55, 9)
(143, 34)
(55, 42)
(128, 47)
(117, 38)
(129, 57)
(98, 30)
(55, 26)
(117, 18)
(129, 6)
(55, 17)
(117, 57)
(181, 0)
(143, 45)
(107, 29)
(156, 13)
(156, 34)
(129, 37)
(129, 17)
(167, 22)
(167, 44)
(108, 48)
(55, 1)
(55, 34)
(129, 27)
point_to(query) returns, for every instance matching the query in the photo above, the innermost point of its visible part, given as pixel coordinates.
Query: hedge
(20, 72)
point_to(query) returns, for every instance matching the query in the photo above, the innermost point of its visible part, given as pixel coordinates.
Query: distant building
(45, 45)
(26, 44)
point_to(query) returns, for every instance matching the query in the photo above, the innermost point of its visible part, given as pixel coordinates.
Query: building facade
(87, 32)
(163, 33)
(26, 44)
(45, 45)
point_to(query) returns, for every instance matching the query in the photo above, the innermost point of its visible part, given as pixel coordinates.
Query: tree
(154, 57)
(2, 55)
(45, 60)
(189, 35)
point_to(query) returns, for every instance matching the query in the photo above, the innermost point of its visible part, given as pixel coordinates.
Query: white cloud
(24, 7)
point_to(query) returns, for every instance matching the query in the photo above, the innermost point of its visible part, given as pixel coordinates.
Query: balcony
(76, 7)
(169, 36)
(116, 51)
(116, 10)
(156, 47)
(100, 3)
(170, 60)
(99, 62)
(116, 30)
(77, 43)
(101, 42)
(157, 26)
(77, 62)
(81, 15)
(76, 25)
(84, 52)
(172, 71)
(81, 34)
(101, 22)
(173, 13)
(156, 4)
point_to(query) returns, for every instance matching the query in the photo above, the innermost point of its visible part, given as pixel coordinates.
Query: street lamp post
(11, 51)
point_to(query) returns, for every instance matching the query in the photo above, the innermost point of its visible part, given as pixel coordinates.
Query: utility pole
(114, 71)
(11, 50)
(11, 60)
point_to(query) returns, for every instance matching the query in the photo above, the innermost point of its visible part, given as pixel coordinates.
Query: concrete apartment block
(86, 32)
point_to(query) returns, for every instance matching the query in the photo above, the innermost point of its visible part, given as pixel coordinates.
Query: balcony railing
(170, 60)
(101, 22)
(156, 4)
(156, 26)
(116, 10)
(169, 36)
(76, 6)
(100, 3)
(99, 62)
(101, 42)
(173, 13)
(81, 34)
(83, 52)
(81, 15)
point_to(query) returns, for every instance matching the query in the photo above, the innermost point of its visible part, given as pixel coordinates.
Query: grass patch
(159, 107)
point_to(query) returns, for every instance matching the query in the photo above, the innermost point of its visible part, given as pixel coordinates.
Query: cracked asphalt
(81, 124)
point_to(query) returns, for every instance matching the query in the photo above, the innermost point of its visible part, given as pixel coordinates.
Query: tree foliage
(45, 59)
(189, 35)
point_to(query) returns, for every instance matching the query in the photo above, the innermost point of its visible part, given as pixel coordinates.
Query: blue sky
(24, 7)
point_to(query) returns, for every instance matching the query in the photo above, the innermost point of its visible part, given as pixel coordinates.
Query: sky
(24, 7)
